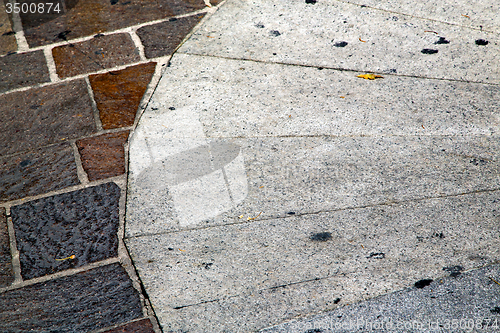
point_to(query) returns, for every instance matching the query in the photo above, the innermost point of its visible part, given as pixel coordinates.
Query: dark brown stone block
(118, 94)
(7, 37)
(141, 326)
(96, 54)
(42, 116)
(37, 172)
(22, 69)
(89, 17)
(83, 302)
(6, 271)
(161, 39)
(83, 224)
(103, 156)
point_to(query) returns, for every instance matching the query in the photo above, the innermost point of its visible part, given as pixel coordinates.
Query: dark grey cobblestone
(6, 271)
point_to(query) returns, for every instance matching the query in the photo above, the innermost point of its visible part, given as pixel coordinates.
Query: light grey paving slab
(216, 279)
(468, 302)
(476, 14)
(277, 176)
(342, 35)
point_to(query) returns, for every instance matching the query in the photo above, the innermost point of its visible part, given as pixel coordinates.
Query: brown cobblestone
(103, 156)
(89, 17)
(161, 39)
(7, 38)
(98, 53)
(6, 271)
(42, 116)
(118, 94)
(37, 172)
(141, 326)
(22, 69)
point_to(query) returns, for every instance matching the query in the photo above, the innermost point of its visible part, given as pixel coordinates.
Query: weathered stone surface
(141, 326)
(89, 17)
(6, 270)
(7, 39)
(103, 156)
(118, 94)
(42, 116)
(83, 302)
(22, 69)
(96, 54)
(37, 172)
(82, 224)
(161, 39)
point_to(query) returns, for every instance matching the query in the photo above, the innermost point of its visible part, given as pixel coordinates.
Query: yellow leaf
(370, 76)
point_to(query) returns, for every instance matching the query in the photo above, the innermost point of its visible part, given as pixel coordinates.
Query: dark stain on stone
(173, 19)
(336, 301)
(291, 213)
(274, 53)
(376, 255)
(321, 237)
(170, 248)
(395, 18)
(259, 25)
(320, 68)
(113, 2)
(439, 235)
(363, 6)
(495, 310)
(314, 330)
(8, 33)
(454, 270)
(275, 33)
(171, 108)
(481, 42)
(98, 35)
(207, 265)
(62, 35)
(340, 44)
(312, 2)
(429, 51)
(442, 40)
(478, 161)
(423, 283)
(24, 163)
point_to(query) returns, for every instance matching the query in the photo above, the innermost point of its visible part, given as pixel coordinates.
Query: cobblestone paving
(73, 84)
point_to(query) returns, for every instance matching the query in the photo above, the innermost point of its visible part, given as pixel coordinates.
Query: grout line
(138, 44)
(16, 263)
(22, 43)
(51, 65)
(82, 175)
(95, 110)
(57, 275)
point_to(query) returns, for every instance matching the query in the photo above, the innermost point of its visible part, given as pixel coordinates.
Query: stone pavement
(265, 186)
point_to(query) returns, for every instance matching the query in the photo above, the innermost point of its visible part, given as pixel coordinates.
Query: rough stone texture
(82, 302)
(96, 54)
(7, 39)
(141, 326)
(6, 270)
(85, 18)
(103, 156)
(118, 94)
(37, 172)
(42, 116)
(370, 251)
(22, 69)
(82, 223)
(296, 32)
(467, 302)
(161, 39)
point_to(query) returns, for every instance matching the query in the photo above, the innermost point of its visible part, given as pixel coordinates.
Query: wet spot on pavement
(429, 51)
(423, 283)
(321, 237)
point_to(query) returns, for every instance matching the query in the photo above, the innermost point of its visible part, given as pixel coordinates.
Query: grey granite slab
(357, 253)
(342, 35)
(468, 302)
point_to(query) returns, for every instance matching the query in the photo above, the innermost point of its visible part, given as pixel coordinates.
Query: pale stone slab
(342, 35)
(216, 279)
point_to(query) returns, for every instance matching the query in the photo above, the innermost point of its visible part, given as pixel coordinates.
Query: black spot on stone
(98, 35)
(275, 33)
(393, 70)
(481, 42)
(171, 108)
(478, 161)
(259, 25)
(114, 2)
(423, 283)
(454, 270)
(172, 19)
(34, 107)
(442, 40)
(312, 2)
(495, 310)
(376, 255)
(170, 248)
(321, 237)
(274, 53)
(8, 33)
(207, 265)
(24, 163)
(395, 18)
(363, 6)
(291, 213)
(62, 35)
(336, 301)
(439, 235)
(340, 44)
(429, 51)
(320, 68)
(154, 109)
(314, 330)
